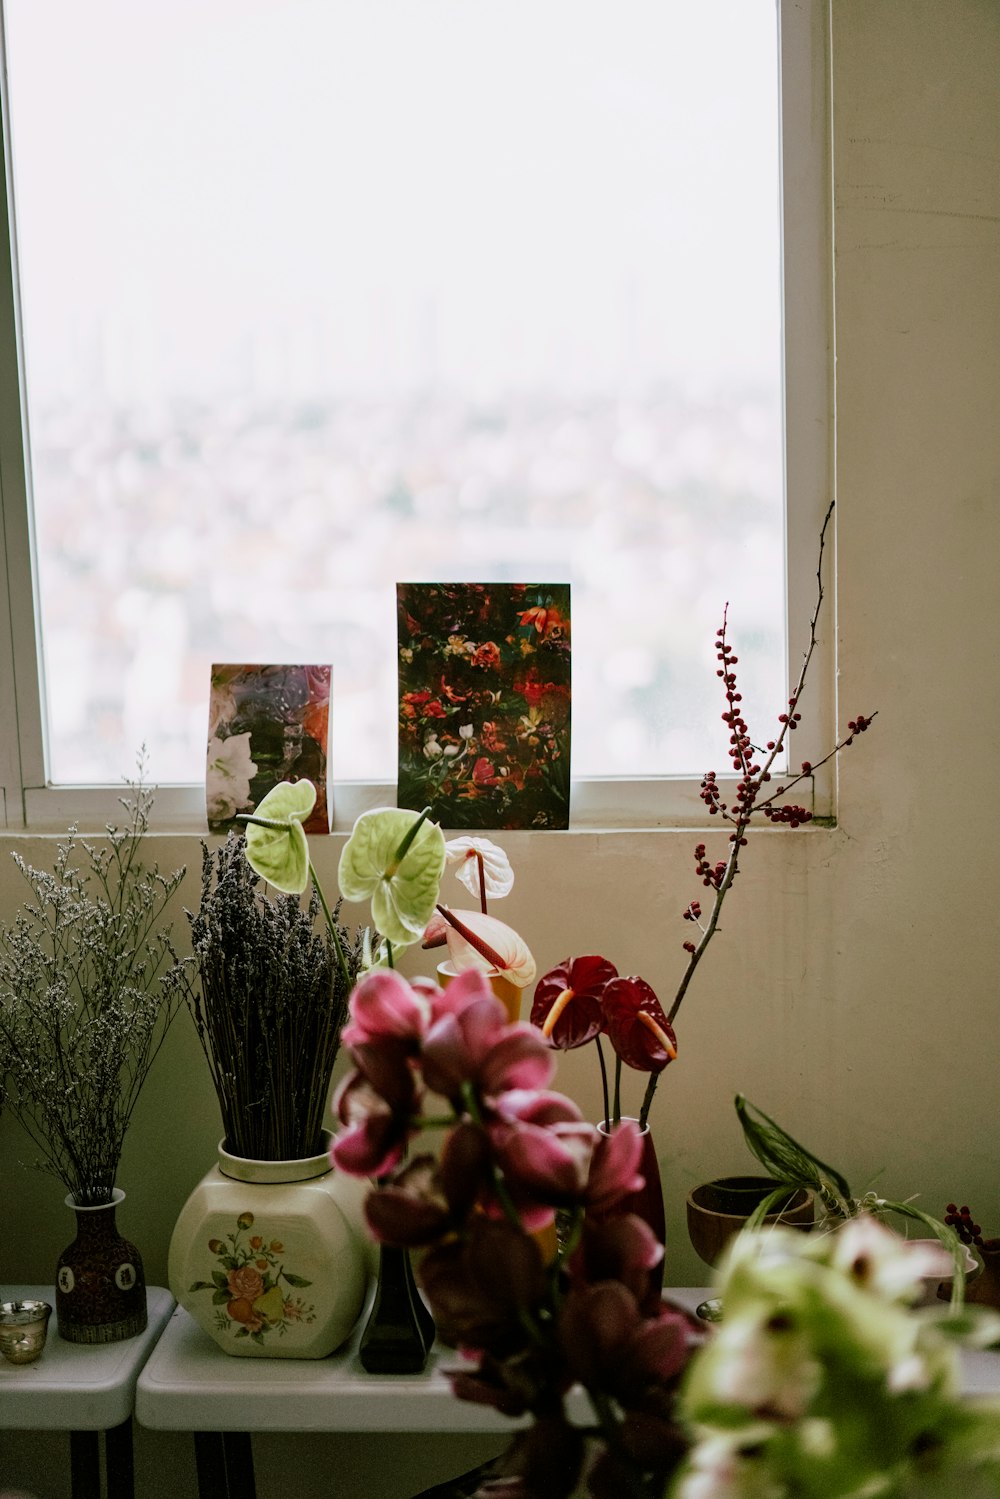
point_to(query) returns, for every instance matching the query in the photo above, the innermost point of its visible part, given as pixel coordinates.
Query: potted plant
(267, 1253)
(89, 985)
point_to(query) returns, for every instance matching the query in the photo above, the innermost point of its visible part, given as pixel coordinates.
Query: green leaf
(220, 1280)
(280, 854)
(202, 1285)
(403, 892)
(295, 1280)
(220, 1298)
(788, 1161)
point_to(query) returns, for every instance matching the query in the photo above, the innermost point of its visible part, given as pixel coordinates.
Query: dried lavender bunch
(268, 1006)
(89, 985)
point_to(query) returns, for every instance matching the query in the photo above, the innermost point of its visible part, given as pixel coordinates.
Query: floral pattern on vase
(252, 1289)
(284, 1278)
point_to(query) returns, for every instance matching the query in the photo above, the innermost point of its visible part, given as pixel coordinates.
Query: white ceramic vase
(271, 1257)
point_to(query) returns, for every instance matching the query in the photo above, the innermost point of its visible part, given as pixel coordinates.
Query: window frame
(30, 801)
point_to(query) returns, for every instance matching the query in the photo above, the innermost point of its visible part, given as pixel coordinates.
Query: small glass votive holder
(23, 1326)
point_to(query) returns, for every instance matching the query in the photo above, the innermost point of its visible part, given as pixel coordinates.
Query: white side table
(190, 1384)
(84, 1389)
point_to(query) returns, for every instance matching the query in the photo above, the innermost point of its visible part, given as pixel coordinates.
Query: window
(395, 291)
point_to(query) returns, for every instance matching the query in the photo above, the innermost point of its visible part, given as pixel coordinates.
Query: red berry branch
(752, 797)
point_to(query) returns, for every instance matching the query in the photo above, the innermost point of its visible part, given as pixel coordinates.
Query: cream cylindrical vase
(270, 1257)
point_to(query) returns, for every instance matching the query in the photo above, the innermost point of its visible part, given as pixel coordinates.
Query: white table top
(190, 1384)
(77, 1386)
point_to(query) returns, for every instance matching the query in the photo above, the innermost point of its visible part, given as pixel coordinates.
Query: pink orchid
(638, 1029)
(567, 1003)
(384, 1005)
(614, 1168)
(477, 1045)
(544, 1149)
(427, 1199)
(379, 1103)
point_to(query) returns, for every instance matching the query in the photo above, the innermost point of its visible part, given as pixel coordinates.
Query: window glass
(320, 295)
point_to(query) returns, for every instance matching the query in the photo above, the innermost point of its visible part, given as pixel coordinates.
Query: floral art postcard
(266, 724)
(484, 703)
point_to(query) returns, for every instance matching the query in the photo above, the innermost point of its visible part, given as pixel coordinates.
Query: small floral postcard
(484, 703)
(266, 724)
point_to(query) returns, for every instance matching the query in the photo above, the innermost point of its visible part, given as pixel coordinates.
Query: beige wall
(853, 991)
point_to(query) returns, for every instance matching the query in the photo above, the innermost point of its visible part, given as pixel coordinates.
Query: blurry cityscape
(172, 536)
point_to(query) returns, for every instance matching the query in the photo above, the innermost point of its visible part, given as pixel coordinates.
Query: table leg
(85, 1465)
(225, 1465)
(118, 1465)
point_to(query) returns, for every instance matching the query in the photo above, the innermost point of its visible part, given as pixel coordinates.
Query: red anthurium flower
(384, 1005)
(477, 1044)
(567, 1005)
(640, 1032)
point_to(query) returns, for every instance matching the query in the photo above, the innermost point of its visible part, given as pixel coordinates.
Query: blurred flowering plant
(822, 1382)
(584, 998)
(513, 1153)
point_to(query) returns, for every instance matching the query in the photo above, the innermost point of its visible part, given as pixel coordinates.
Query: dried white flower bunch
(89, 984)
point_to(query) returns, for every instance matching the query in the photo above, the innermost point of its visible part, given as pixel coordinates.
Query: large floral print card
(266, 724)
(484, 703)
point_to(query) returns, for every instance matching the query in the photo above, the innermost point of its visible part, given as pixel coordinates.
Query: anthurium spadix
(395, 858)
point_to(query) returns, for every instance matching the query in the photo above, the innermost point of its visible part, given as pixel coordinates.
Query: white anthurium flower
(489, 946)
(229, 771)
(497, 870)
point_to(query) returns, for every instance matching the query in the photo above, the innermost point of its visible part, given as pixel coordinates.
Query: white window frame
(28, 800)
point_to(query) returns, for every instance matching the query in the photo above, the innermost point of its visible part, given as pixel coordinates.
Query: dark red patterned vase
(100, 1283)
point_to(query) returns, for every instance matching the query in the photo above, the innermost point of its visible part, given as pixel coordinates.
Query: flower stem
(647, 1101)
(604, 1083)
(618, 1089)
(341, 960)
(471, 1102)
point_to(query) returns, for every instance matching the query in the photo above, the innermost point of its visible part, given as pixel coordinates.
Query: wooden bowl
(717, 1210)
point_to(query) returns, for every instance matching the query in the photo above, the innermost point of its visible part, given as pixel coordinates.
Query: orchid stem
(342, 961)
(499, 1185)
(604, 1084)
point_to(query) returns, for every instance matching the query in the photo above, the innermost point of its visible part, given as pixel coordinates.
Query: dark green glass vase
(400, 1330)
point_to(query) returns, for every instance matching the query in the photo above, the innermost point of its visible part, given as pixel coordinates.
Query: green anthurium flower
(397, 868)
(277, 847)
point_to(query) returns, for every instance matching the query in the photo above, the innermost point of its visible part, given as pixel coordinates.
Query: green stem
(388, 954)
(342, 961)
(500, 1186)
(647, 1101)
(618, 1089)
(604, 1083)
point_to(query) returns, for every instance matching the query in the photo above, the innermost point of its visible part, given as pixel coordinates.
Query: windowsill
(609, 805)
